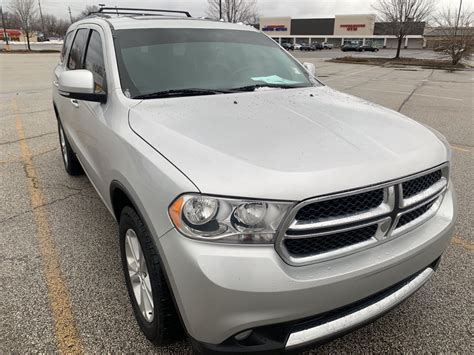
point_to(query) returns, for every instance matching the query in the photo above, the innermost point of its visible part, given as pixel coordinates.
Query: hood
(285, 144)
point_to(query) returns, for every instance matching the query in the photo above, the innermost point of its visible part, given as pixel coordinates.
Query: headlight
(228, 220)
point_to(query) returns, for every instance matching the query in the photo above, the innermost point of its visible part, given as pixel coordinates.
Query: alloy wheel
(139, 276)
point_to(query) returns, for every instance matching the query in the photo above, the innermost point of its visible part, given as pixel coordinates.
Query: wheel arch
(121, 197)
(56, 112)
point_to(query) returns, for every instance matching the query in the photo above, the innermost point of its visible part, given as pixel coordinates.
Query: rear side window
(66, 45)
(77, 50)
(94, 62)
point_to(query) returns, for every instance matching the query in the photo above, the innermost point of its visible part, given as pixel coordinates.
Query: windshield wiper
(258, 86)
(181, 92)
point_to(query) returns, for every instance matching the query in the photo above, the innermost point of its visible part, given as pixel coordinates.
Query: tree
(403, 16)
(11, 21)
(25, 12)
(456, 30)
(233, 10)
(88, 9)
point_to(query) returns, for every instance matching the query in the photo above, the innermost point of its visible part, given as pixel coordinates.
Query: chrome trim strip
(335, 231)
(348, 219)
(382, 228)
(357, 318)
(384, 208)
(432, 190)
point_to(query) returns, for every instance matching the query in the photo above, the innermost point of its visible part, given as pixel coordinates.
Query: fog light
(243, 335)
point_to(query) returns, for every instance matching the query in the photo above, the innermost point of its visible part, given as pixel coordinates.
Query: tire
(160, 323)
(71, 163)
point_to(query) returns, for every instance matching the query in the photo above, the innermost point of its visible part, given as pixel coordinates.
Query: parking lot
(59, 248)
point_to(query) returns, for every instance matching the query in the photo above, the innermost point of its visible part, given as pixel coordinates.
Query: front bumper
(222, 290)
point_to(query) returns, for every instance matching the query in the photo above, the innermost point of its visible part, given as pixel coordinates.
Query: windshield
(197, 61)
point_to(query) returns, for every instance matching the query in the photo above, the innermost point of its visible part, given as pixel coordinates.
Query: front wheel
(151, 299)
(71, 163)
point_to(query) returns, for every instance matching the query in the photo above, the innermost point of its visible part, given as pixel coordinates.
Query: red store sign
(353, 27)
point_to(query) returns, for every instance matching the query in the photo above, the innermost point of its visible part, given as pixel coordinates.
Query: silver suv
(258, 209)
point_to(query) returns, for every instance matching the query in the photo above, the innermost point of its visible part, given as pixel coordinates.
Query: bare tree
(11, 21)
(233, 10)
(88, 9)
(62, 27)
(53, 26)
(25, 12)
(403, 16)
(456, 32)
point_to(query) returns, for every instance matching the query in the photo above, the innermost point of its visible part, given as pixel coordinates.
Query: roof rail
(134, 11)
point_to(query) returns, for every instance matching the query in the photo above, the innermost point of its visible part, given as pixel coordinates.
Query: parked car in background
(42, 38)
(286, 215)
(318, 45)
(297, 46)
(306, 47)
(350, 46)
(287, 45)
(367, 48)
(311, 47)
(327, 45)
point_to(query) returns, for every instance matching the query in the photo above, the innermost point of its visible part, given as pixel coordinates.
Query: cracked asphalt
(61, 284)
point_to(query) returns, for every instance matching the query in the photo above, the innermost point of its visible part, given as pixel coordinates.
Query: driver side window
(94, 62)
(77, 50)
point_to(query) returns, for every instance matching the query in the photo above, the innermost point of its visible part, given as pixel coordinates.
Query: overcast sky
(268, 8)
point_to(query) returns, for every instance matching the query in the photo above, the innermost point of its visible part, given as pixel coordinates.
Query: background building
(15, 35)
(338, 30)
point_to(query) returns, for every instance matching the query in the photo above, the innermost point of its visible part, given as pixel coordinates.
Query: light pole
(220, 10)
(42, 19)
(457, 20)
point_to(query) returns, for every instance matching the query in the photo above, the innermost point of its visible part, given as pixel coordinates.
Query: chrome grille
(412, 215)
(325, 243)
(331, 226)
(341, 206)
(415, 186)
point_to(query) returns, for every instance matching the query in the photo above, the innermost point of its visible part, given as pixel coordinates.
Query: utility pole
(457, 20)
(42, 19)
(5, 35)
(70, 15)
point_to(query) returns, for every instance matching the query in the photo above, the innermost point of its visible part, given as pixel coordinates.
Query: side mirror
(310, 68)
(79, 84)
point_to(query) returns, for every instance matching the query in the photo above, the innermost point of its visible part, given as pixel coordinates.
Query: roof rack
(134, 11)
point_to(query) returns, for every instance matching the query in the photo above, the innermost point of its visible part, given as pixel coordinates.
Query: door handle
(74, 103)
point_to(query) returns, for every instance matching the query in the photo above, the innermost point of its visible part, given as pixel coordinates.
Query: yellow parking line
(462, 243)
(66, 333)
(460, 149)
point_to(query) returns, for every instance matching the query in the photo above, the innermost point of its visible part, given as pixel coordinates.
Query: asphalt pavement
(62, 287)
